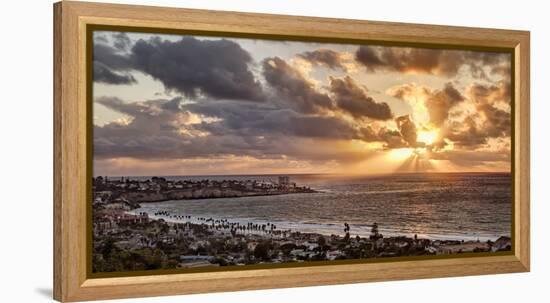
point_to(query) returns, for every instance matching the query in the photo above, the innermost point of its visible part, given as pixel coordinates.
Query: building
(132, 219)
(284, 181)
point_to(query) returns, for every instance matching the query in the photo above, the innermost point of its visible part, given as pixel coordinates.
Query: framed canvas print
(202, 151)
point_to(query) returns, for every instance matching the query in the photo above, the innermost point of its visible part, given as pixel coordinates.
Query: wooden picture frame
(72, 153)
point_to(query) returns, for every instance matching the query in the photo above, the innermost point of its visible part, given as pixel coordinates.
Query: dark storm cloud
(323, 127)
(253, 120)
(153, 132)
(111, 66)
(103, 74)
(431, 61)
(299, 92)
(323, 57)
(353, 99)
(169, 129)
(140, 109)
(291, 85)
(121, 41)
(112, 57)
(218, 68)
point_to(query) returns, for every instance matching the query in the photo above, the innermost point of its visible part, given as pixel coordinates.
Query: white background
(26, 150)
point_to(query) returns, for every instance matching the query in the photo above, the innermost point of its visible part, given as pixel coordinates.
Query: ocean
(461, 206)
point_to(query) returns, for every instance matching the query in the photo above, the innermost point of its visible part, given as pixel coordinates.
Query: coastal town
(125, 239)
(158, 189)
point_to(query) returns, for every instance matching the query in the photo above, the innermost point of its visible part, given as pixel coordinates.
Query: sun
(427, 136)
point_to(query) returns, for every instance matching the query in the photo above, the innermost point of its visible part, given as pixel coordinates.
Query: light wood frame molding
(71, 282)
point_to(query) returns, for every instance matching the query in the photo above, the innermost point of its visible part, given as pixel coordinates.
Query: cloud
(121, 41)
(102, 74)
(149, 119)
(157, 129)
(292, 85)
(327, 127)
(215, 68)
(465, 133)
(99, 38)
(111, 66)
(293, 119)
(345, 94)
(223, 165)
(469, 159)
(408, 91)
(440, 102)
(436, 103)
(493, 103)
(497, 122)
(351, 98)
(255, 121)
(486, 115)
(439, 62)
(407, 129)
(500, 92)
(171, 129)
(492, 118)
(392, 138)
(401, 59)
(324, 57)
(112, 57)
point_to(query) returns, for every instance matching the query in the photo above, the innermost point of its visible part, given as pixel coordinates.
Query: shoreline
(158, 243)
(324, 228)
(241, 195)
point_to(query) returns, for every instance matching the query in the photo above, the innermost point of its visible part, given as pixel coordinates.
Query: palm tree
(375, 235)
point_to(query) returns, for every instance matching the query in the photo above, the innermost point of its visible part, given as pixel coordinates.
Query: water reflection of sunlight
(400, 160)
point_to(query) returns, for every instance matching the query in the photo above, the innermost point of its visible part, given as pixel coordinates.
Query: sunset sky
(191, 105)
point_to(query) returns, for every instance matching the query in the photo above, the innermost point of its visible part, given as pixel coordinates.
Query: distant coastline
(158, 189)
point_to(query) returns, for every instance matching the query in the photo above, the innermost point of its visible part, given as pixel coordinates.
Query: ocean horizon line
(309, 174)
